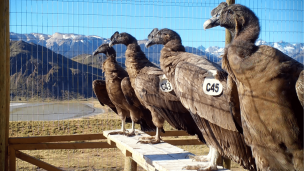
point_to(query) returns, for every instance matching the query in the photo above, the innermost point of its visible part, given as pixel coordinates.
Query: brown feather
(115, 74)
(269, 88)
(144, 77)
(187, 73)
(100, 90)
(128, 91)
(300, 88)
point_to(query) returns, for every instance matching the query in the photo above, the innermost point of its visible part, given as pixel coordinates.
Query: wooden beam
(184, 142)
(111, 142)
(130, 164)
(226, 163)
(42, 139)
(229, 2)
(36, 162)
(12, 159)
(128, 153)
(4, 115)
(53, 146)
(228, 37)
(8, 78)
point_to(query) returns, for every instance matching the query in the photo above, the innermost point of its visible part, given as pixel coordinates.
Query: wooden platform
(161, 157)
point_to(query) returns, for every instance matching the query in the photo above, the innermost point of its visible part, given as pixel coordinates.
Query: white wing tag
(164, 84)
(211, 85)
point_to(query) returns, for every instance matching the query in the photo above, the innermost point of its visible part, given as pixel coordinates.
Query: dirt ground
(86, 159)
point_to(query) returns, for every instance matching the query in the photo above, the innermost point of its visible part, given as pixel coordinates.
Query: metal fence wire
(52, 67)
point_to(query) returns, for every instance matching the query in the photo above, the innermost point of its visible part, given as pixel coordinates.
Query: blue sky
(280, 19)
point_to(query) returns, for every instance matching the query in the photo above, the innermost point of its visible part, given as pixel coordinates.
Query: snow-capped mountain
(215, 50)
(285, 47)
(71, 45)
(295, 51)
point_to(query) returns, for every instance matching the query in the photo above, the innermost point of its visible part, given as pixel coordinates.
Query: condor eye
(230, 11)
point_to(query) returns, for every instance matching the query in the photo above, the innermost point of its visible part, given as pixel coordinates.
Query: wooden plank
(52, 146)
(12, 159)
(142, 162)
(170, 133)
(184, 142)
(36, 162)
(3, 88)
(161, 157)
(32, 140)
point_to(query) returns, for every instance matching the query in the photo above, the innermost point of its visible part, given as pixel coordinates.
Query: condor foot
(199, 158)
(149, 140)
(131, 134)
(119, 133)
(200, 167)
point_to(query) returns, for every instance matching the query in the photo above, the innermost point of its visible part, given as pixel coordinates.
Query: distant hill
(71, 45)
(38, 73)
(300, 56)
(95, 61)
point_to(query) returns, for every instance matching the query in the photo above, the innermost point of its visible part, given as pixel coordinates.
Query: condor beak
(213, 21)
(110, 44)
(95, 52)
(148, 43)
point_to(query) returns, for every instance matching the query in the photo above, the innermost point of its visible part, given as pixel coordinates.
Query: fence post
(130, 164)
(8, 78)
(228, 38)
(4, 83)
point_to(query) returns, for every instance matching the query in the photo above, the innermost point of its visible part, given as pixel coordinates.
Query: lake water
(51, 111)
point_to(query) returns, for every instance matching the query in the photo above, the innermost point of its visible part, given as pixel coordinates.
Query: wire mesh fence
(52, 67)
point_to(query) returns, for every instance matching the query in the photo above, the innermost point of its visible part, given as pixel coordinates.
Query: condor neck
(171, 47)
(175, 46)
(111, 58)
(169, 58)
(136, 57)
(249, 33)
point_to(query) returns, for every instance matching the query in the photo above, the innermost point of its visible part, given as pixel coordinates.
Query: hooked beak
(148, 43)
(95, 52)
(111, 43)
(213, 21)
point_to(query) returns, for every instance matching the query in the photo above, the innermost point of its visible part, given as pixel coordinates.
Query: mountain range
(37, 72)
(60, 66)
(71, 45)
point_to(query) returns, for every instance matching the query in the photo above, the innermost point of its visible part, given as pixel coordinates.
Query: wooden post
(130, 164)
(12, 159)
(219, 161)
(226, 163)
(8, 80)
(228, 39)
(4, 84)
(228, 36)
